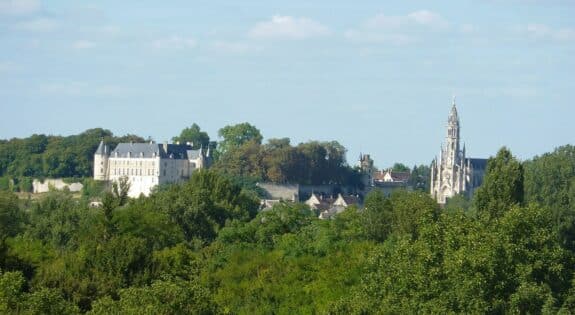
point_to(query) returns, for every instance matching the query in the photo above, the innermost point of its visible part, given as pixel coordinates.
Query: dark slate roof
(478, 163)
(149, 150)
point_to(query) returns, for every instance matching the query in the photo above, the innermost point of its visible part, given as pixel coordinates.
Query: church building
(454, 173)
(147, 165)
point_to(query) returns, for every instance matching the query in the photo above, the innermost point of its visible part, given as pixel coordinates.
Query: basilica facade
(453, 173)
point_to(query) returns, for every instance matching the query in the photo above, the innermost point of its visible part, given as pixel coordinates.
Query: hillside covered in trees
(240, 154)
(202, 247)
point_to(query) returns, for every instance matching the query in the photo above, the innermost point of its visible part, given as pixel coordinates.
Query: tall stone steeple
(448, 174)
(452, 138)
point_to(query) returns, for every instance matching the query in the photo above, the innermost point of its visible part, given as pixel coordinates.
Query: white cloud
(428, 18)
(175, 42)
(83, 44)
(397, 30)
(37, 25)
(378, 37)
(541, 31)
(239, 48)
(288, 27)
(421, 17)
(19, 7)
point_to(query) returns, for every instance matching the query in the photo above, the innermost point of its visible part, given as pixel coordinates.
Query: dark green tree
(377, 216)
(195, 135)
(234, 136)
(502, 186)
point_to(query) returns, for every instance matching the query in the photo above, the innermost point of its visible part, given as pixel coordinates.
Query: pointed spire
(101, 148)
(453, 117)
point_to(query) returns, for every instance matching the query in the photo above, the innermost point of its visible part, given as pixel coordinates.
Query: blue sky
(377, 76)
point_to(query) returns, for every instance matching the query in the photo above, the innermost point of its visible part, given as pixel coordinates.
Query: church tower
(448, 175)
(101, 162)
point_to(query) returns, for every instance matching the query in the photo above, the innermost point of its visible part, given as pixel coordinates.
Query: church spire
(453, 117)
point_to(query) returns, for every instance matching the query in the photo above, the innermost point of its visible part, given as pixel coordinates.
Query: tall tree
(502, 187)
(195, 135)
(234, 136)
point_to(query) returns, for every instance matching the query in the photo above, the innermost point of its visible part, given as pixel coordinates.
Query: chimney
(166, 146)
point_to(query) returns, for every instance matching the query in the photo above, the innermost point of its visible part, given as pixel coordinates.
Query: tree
(194, 135)
(502, 186)
(9, 216)
(377, 216)
(400, 167)
(234, 136)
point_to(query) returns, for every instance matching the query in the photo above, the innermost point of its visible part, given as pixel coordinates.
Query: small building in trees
(147, 165)
(384, 180)
(453, 173)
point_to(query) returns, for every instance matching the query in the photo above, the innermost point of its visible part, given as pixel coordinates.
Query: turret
(101, 161)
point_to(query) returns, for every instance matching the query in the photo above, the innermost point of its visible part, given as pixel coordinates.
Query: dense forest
(202, 247)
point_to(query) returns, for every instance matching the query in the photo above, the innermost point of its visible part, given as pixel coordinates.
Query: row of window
(129, 162)
(128, 171)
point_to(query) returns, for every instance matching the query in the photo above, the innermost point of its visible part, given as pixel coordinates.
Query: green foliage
(420, 177)
(400, 167)
(171, 296)
(550, 181)
(457, 203)
(5, 183)
(279, 162)
(234, 136)
(42, 156)
(13, 299)
(202, 206)
(502, 186)
(200, 247)
(9, 215)
(377, 216)
(194, 135)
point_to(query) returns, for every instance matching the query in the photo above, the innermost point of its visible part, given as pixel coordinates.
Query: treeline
(41, 156)
(240, 153)
(203, 248)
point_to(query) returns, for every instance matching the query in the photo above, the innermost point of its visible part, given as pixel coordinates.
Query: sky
(377, 76)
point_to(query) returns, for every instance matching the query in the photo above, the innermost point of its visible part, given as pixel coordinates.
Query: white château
(147, 165)
(453, 173)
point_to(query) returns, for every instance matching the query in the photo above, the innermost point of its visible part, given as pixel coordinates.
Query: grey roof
(152, 149)
(102, 148)
(478, 163)
(194, 154)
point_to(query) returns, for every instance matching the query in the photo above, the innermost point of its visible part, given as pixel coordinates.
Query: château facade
(147, 165)
(454, 173)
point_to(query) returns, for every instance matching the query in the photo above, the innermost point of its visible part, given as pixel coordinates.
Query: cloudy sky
(377, 77)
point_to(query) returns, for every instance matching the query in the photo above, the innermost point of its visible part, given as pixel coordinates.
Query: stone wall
(56, 183)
